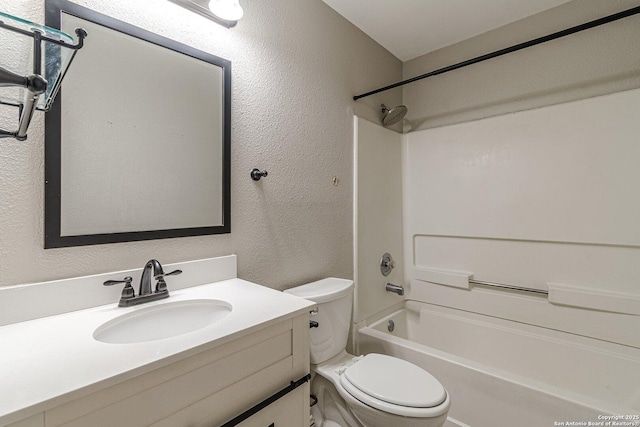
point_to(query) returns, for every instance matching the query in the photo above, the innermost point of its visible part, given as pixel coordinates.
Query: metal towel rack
(511, 287)
(555, 293)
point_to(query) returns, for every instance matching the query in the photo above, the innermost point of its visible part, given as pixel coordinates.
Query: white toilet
(367, 391)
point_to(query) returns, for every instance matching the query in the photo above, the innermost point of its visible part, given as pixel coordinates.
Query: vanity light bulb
(229, 10)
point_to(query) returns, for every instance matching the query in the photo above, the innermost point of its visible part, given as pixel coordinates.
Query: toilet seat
(395, 386)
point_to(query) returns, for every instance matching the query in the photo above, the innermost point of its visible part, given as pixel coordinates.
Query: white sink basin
(162, 321)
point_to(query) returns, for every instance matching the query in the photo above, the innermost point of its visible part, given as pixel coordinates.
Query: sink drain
(391, 326)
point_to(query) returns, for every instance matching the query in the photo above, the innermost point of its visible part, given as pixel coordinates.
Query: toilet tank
(334, 298)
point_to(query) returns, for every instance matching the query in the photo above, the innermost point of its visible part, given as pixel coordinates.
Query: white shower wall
(534, 198)
(377, 215)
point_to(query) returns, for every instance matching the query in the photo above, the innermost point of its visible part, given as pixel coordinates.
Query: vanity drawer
(288, 411)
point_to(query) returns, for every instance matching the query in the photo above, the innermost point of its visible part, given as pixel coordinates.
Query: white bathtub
(503, 373)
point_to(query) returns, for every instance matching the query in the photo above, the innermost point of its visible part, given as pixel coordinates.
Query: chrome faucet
(145, 293)
(145, 280)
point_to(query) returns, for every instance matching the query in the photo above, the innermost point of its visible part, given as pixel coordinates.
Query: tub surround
(55, 360)
(377, 215)
(537, 199)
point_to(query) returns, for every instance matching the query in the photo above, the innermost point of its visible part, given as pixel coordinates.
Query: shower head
(393, 115)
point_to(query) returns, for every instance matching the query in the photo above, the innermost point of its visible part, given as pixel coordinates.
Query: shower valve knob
(387, 264)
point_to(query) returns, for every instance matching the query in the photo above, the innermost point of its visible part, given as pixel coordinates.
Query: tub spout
(390, 287)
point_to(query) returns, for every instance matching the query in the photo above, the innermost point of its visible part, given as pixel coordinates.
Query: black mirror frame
(53, 140)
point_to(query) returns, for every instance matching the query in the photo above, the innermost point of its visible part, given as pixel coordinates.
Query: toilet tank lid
(324, 290)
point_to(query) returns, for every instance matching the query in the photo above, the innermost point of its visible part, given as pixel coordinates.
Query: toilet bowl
(373, 390)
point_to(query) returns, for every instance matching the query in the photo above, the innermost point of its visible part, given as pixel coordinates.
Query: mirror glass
(137, 142)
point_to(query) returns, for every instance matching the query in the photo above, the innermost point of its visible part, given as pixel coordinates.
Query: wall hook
(256, 174)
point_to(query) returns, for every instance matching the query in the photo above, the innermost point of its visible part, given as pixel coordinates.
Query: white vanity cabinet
(56, 370)
(206, 389)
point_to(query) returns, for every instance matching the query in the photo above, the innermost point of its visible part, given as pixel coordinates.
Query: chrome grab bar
(511, 287)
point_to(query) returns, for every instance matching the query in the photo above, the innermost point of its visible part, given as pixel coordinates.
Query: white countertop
(46, 362)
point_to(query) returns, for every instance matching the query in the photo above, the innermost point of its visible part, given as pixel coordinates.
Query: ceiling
(411, 28)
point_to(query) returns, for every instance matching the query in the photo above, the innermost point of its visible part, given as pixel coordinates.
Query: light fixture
(229, 10)
(223, 12)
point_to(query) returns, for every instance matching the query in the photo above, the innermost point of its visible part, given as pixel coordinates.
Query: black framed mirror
(137, 143)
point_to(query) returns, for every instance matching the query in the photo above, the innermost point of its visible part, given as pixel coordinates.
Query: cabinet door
(288, 411)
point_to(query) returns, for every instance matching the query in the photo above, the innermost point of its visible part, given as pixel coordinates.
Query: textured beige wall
(594, 62)
(296, 64)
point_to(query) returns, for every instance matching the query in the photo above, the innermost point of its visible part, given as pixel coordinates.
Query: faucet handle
(128, 291)
(161, 285)
(162, 275)
(126, 280)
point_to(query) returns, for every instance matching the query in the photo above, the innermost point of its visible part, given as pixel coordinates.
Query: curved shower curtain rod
(514, 48)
